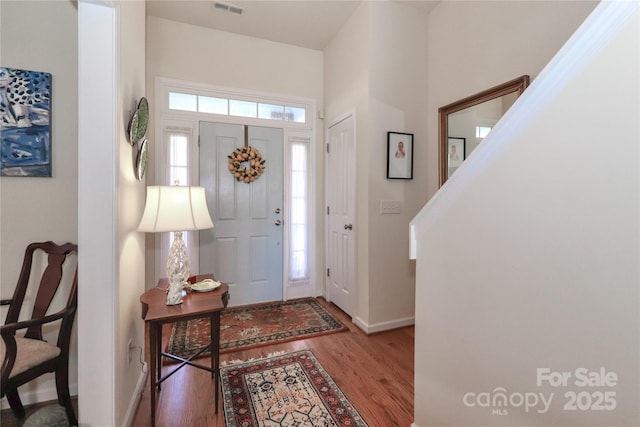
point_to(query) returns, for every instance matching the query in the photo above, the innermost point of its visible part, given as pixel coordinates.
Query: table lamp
(175, 208)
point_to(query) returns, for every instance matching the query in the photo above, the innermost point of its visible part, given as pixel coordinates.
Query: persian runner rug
(288, 390)
(255, 326)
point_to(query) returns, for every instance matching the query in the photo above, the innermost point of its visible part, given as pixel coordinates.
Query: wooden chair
(26, 357)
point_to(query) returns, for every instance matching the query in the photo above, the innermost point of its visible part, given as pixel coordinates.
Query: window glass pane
(293, 114)
(242, 108)
(178, 150)
(482, 131)
(207, 104)
(178, 158)
(298, 184)
(269, 111)
(183, 101)
(178, 175)
(299, 157)
(298, 262)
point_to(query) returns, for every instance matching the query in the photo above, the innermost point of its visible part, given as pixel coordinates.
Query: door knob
(278, 222)
(348, 227)
(277, 210)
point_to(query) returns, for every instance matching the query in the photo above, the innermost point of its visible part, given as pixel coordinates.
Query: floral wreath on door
(246, 164)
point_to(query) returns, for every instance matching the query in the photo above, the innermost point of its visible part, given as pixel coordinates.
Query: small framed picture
(399, 155)
(455, 154)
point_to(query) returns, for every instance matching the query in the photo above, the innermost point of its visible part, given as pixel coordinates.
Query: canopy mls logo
(499, 401)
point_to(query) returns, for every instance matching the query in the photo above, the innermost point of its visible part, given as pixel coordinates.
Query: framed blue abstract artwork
(25, 107)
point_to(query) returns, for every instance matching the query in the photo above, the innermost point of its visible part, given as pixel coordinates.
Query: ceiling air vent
(227, 7)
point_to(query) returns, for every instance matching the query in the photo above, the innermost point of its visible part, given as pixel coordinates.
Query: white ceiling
(306, 23)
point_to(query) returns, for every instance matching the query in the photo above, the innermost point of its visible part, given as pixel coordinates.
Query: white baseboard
(137, 395)
(414, 425)
(39, 395)
(383, 326)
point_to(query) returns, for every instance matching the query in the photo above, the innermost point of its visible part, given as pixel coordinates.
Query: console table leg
(158, 352)
(155, 334)
(215, 354)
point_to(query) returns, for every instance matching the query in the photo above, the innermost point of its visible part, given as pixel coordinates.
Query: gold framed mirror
(463, 124)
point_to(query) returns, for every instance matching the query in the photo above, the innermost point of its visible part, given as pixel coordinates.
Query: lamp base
(178, 269)
(174, 296)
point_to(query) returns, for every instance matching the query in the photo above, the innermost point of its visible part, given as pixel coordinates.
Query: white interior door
(244, 249)
(341, 178)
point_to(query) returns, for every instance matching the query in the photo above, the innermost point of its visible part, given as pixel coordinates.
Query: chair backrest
(48, 286)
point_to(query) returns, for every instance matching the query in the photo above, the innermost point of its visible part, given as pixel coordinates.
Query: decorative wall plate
(132, 129)
(137, 128)
(143, 118)
(141, 160)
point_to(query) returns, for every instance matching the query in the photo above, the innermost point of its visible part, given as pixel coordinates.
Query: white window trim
(166, 118)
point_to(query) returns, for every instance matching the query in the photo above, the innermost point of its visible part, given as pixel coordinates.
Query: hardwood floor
(374, 372)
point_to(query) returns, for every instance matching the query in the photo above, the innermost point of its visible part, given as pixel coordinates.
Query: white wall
(398, 103)
(131, 199)
(475, 45)
(111, 81)
(346, 90)
(545, 218)
(376, 65)
(197, 54)
(40, 209)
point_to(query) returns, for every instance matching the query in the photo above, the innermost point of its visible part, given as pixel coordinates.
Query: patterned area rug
(254, 326)
(288, 390)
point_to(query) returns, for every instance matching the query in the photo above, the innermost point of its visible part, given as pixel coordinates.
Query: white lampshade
(175, 208)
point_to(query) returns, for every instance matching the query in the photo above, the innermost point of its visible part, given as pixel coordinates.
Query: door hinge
(198, 140)
(327, 148)
(328, 272)
(328, 210)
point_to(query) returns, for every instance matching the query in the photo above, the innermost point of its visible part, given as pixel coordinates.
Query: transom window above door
(236, 107)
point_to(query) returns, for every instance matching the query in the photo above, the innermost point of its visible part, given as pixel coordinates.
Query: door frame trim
(165, 118)
(337, 120)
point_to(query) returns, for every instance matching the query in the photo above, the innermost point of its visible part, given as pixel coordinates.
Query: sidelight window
(178, 152)
(178, 157)
(299, 232)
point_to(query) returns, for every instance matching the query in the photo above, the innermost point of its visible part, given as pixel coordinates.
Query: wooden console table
(195, 305)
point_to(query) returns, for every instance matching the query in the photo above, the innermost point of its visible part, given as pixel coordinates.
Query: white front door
(244, 249)
(341, 178)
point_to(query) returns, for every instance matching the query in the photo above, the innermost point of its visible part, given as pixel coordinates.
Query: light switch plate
(390, 207)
